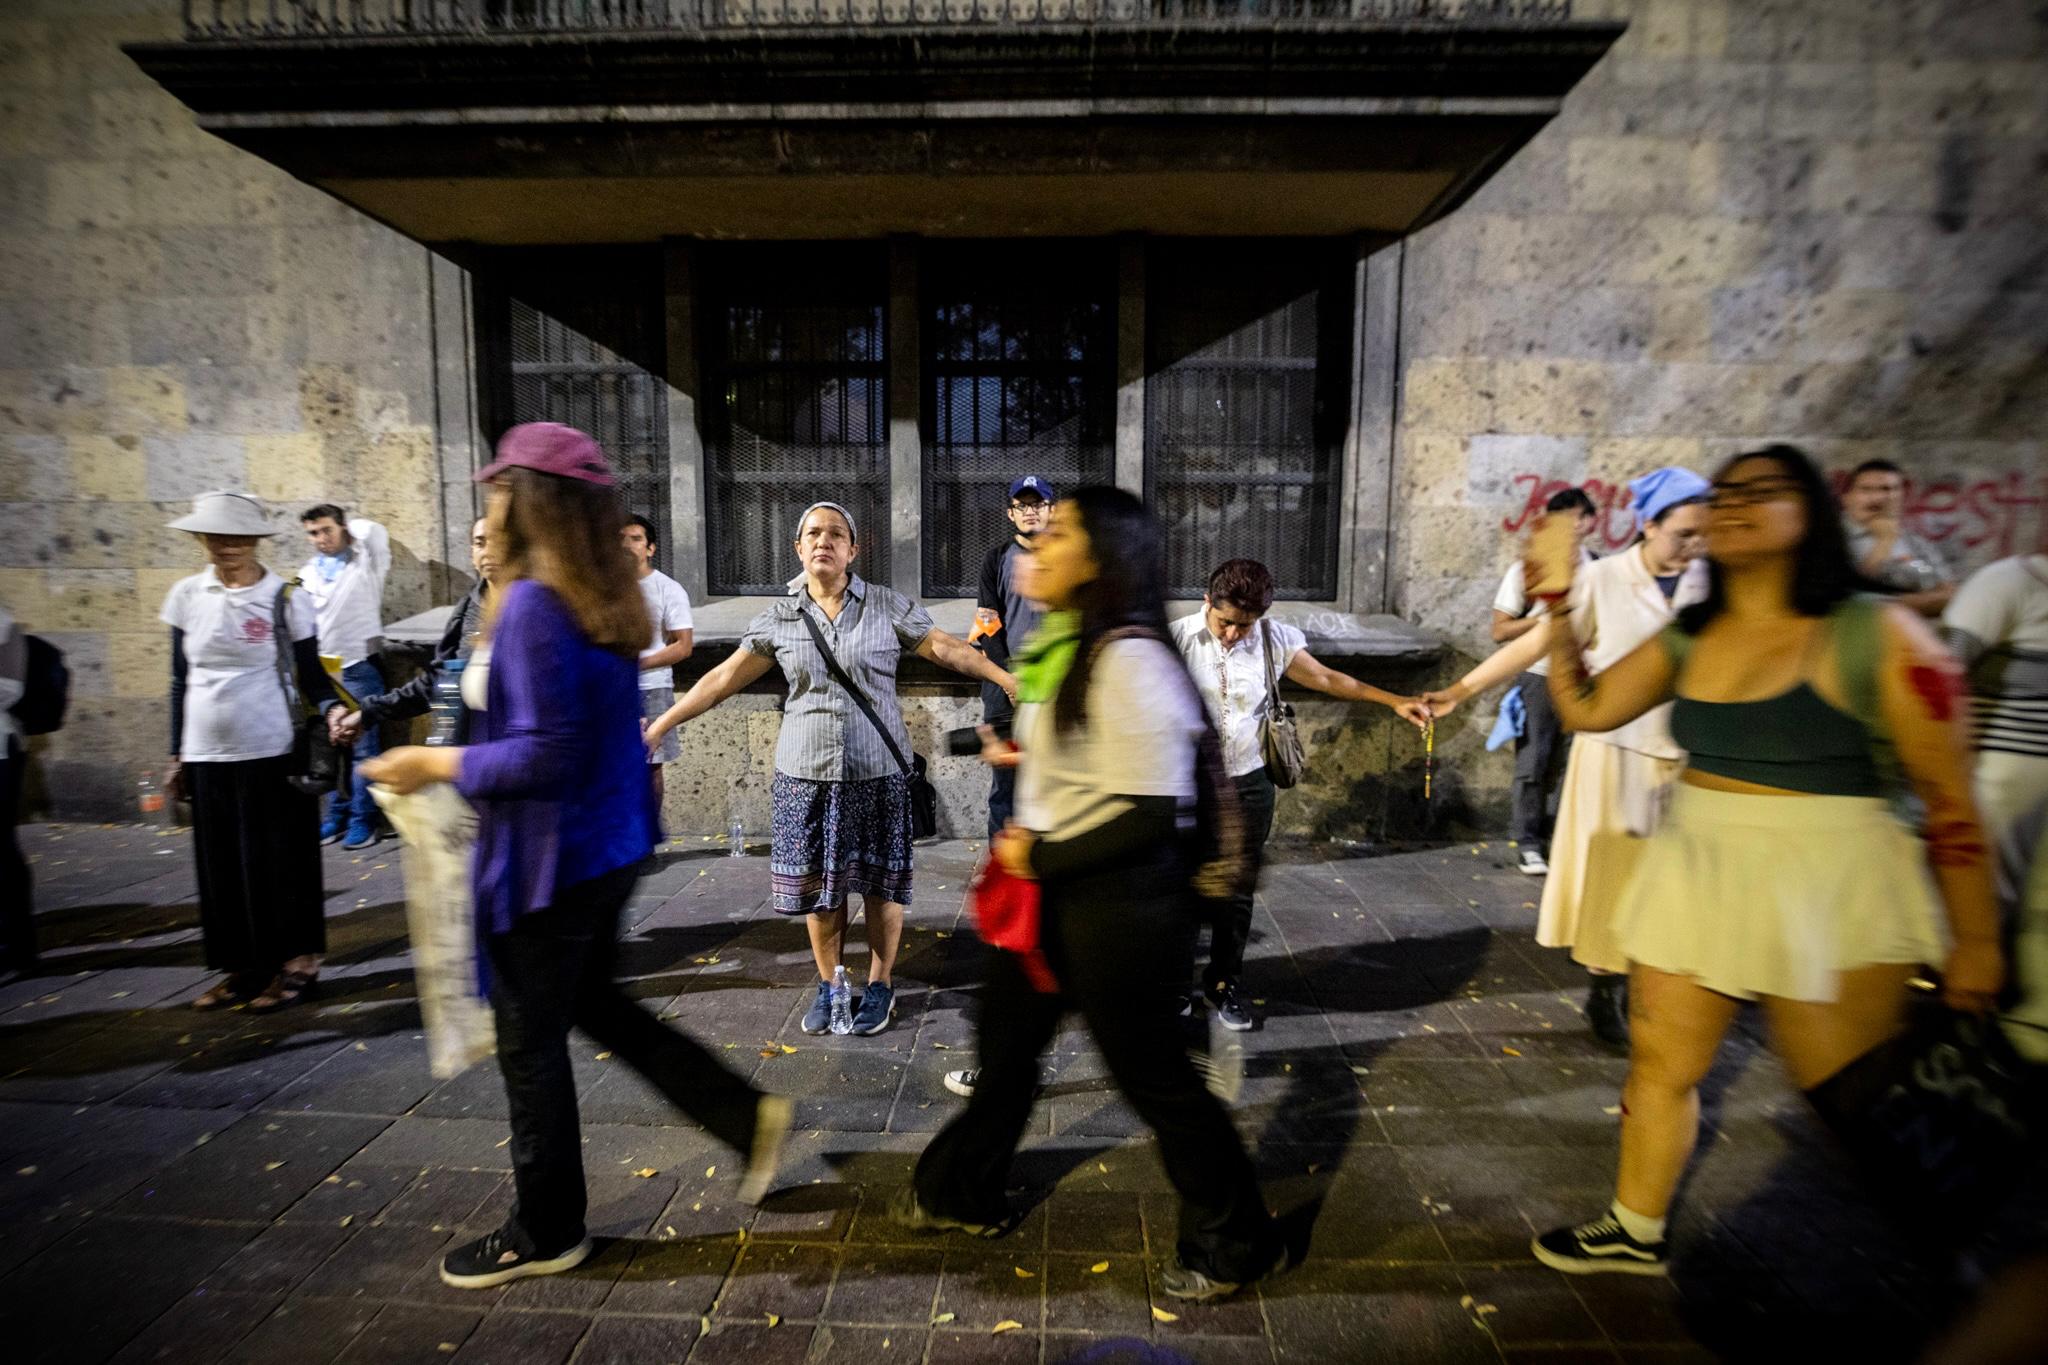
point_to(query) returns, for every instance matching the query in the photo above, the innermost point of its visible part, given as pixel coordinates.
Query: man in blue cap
(1003, 620)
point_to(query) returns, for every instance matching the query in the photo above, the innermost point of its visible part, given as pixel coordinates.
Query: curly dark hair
(1823, 573)
(1243, 583)
(1130, 590)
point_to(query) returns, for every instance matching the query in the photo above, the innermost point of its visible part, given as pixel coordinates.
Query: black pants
(1537, 755)
(553, 969)
(1122, 952)
(1002, 782)
(17, 925)
(1231, 928)
(256, 847)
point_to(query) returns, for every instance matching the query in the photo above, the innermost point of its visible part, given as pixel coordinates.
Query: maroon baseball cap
(549, 448)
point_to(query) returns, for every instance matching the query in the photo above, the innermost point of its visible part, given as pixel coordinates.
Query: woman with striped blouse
(842, 801)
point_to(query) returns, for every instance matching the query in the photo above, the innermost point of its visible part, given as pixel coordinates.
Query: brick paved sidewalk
(194, 1187)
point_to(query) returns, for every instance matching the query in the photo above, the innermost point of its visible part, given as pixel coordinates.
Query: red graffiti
(1939, 690)
(1615, 527)
(1982, 520)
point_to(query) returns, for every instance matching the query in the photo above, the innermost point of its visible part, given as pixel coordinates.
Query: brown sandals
(287, 989)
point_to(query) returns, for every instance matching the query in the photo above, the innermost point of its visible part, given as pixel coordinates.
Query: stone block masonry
(180, 316)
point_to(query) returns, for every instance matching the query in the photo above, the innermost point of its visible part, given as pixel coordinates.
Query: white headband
(852, 527)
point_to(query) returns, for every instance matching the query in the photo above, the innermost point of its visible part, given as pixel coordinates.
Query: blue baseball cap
(1031, 483)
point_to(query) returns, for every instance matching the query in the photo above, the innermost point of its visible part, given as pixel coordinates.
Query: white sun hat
(222, 513)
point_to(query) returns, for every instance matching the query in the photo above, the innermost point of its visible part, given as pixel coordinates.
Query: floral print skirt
(833, 839)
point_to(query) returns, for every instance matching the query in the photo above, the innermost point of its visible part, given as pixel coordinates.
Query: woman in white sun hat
(235, 708)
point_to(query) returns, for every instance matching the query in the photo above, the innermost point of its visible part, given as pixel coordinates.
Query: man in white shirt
(345, 580)
(1230, 650)
(1539, 750)
(672, 633)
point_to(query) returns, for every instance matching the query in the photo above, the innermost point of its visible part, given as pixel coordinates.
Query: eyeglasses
(1030, 507)
(1754, 490)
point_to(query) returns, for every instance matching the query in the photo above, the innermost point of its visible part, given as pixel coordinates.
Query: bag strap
(280, 630)
(1272, 678)
(860, 698)
(1858, 629)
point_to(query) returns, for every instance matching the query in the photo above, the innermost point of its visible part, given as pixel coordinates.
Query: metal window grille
(229, 19)
(1020, 378)
(544, 362)
(1247, 375)
(794, 405)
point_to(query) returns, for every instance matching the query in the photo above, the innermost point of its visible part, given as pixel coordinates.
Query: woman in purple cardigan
(556, 770)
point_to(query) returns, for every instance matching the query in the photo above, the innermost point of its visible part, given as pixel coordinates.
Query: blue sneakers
(818, 1017)
(877, 1009)
(361, 834)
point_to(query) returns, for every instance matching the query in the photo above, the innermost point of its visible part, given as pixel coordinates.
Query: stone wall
(175, 316)
(1756, 220)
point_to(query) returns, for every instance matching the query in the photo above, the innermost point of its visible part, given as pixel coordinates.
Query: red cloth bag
(1006, 912)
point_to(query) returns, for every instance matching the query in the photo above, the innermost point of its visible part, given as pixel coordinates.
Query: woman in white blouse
(1615, 783)
(1107, 729)
(234, 710)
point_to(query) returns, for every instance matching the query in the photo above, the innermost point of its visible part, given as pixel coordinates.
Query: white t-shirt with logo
(235, 706)
(668, 609)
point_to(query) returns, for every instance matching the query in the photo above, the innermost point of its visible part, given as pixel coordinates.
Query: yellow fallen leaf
(775, 1320)
(1510, 1051)
(446, 1348)
(647, 1173)
(1161, 1315)
(346, 1219)
(710, 1171)
(787, 1049)
(1098, 1267)
(272, 1165)
(1006, 1325)
(770, 1052)
(26, 1170)
(1024, 1274)
(942, 1047)
(602, 1057)
(944, 1318)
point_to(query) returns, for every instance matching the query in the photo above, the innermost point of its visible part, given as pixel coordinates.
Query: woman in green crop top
(1780, 874)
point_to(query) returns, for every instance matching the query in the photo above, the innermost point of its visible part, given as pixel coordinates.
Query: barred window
(1020, 378)
(1247, 364)
(793, 406)
(576, 335)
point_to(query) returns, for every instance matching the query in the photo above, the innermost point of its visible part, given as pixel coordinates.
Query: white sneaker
(962, 1082)
(1532, 863)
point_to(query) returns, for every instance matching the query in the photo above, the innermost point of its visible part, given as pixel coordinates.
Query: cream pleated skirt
(1778, 895)
(1611, 800)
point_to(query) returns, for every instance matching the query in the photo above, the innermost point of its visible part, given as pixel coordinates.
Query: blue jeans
(356, 806)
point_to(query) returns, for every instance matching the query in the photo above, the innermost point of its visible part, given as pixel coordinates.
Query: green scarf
(1043, 659)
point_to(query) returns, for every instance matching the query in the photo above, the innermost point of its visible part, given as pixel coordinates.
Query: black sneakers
(1601, 1247)
(502, 1256)
(1231, 1010)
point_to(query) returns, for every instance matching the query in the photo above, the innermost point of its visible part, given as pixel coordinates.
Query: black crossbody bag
(924, 798)
(316, 766)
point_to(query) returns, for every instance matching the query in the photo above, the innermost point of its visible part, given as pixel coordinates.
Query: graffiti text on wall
(1980, 519)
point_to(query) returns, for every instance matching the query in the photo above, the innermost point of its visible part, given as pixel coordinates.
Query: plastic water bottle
(842, 1001)
(735, 840)
(149, 799)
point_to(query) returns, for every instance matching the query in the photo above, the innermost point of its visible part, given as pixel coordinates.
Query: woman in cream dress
(1616, 782)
